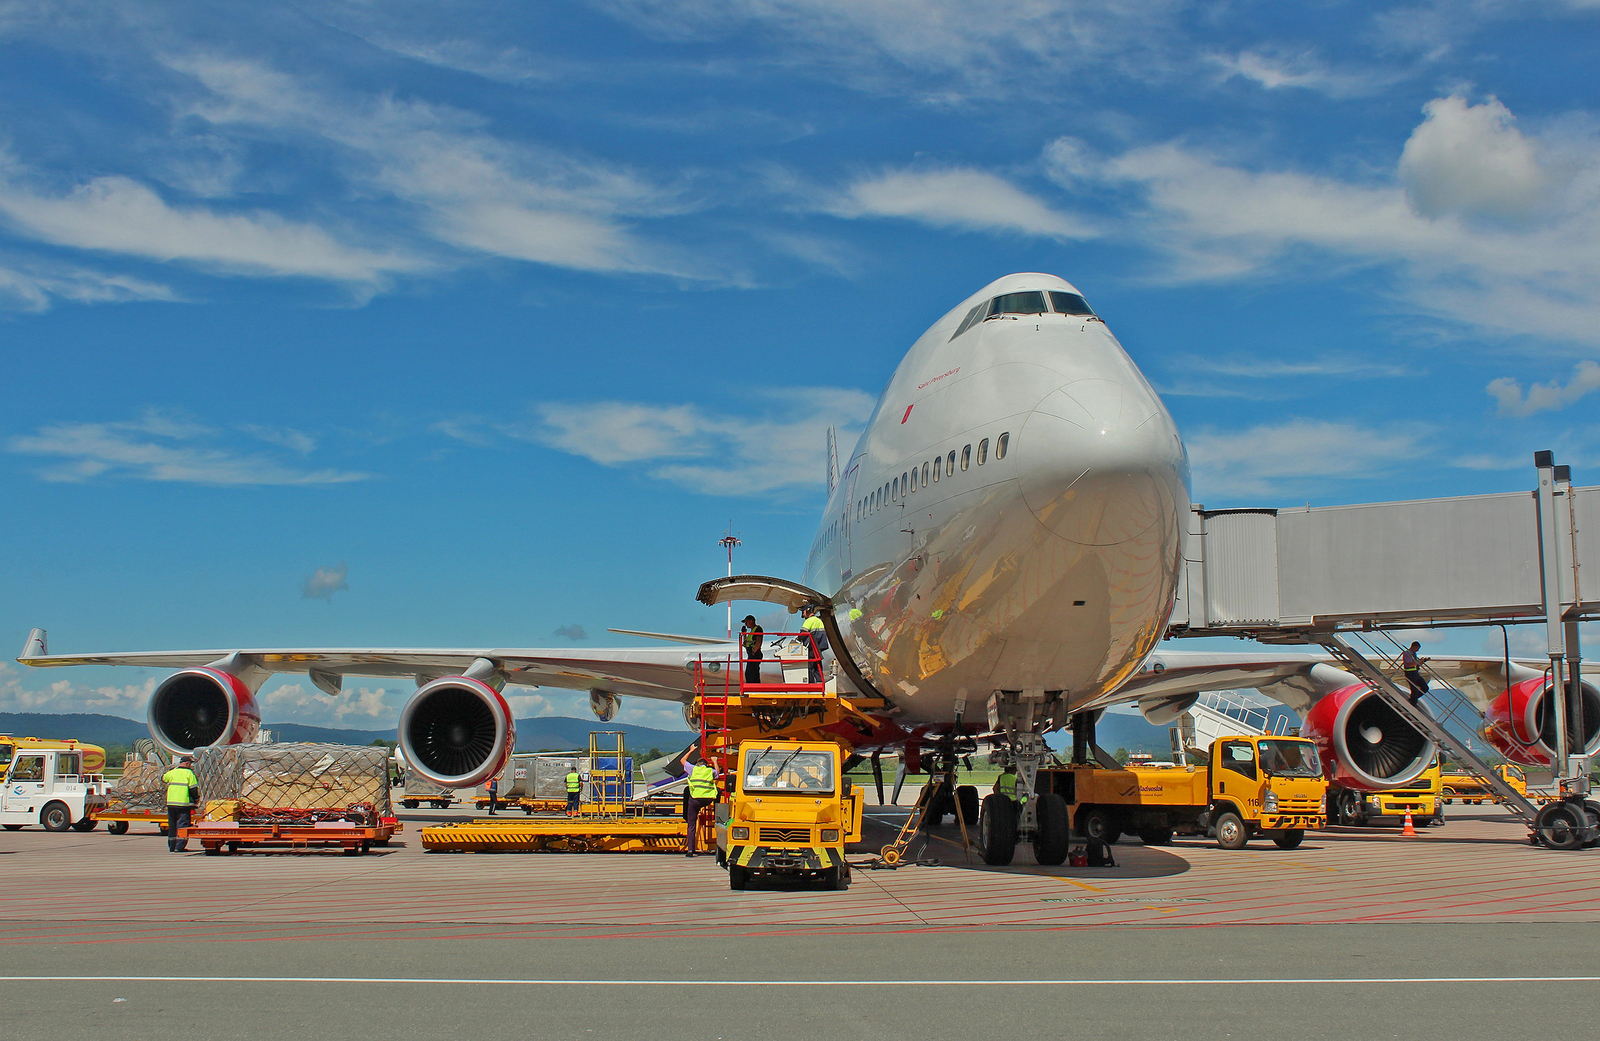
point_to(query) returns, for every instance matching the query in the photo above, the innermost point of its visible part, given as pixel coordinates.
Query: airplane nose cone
(1104, 464)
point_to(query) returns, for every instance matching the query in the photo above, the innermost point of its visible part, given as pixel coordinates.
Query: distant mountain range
(533, 735)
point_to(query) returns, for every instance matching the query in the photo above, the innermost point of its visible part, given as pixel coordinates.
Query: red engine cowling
(1521, 723)
(1365, 745)
(457, 732)
(199, 707)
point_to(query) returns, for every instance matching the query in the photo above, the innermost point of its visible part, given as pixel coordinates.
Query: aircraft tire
(55, 816)
(997, 830)
(1051, 839)
(967, 796)
(1231, 830)
(1290, 839)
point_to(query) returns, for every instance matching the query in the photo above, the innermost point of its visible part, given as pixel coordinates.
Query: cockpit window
(1031, 302)
(973, 317)
(1069, 303)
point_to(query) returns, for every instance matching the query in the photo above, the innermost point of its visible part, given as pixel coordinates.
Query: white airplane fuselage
(1047, 557)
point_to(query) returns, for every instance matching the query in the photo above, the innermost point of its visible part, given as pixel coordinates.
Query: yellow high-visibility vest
(574, 782)
(702, 782)
(179, 780)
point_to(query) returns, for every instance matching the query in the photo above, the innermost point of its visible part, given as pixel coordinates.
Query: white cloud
(464, 187)
(571, 632)
(1267, 369)
(63, 695)
(957, 198)
(363, 708)
(33, 285)
(1265, 461)
(120, 215)
(1303, 71)
(297, 441)
(322, 583)
(715, 454)
(1216, 220)
(1472, 159)
(1544, 397)
(158, 447)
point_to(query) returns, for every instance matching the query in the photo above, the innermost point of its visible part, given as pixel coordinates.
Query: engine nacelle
(198, 707)
(1365, 745)
(604, 705)
(457, 732)
(1521, 723)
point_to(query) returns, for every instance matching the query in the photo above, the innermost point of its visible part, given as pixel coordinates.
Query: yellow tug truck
(1253, 787)
(789, 813)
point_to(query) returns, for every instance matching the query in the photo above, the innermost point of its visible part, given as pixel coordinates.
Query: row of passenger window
(935, 469)
(1030, 301)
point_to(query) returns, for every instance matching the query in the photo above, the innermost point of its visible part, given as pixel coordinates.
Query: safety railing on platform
(1256, 718)
(794, 672)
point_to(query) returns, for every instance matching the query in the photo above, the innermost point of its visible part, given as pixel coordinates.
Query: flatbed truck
(1252, 787)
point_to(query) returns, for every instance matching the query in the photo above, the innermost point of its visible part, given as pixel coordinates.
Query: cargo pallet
(218, 837)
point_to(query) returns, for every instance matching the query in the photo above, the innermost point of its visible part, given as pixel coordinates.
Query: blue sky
(401, 324)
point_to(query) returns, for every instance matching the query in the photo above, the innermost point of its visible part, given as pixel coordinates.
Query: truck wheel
(1098, 824)
(997, 830)
(967, 796)
(85, 824)
(55, 816)
(1156, 836)
(738, 877)
(836, 878)
(1231, 832)
(1050, 841)
(1290, 839)
(117, 827)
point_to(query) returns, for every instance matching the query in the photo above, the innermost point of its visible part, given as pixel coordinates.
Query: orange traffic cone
(1408, 830)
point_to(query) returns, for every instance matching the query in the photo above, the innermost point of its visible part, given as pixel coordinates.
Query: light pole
(727, 542)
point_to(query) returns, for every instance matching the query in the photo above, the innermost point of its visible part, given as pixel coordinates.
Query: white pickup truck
(48, 787)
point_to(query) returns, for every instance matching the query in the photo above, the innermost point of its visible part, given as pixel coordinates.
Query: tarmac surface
(1462, 932)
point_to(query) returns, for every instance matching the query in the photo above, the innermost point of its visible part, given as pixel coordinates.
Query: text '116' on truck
(1252, 787)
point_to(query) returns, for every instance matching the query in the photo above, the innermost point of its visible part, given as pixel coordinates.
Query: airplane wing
(665, 673)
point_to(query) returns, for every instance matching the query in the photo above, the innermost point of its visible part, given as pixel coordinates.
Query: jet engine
(1521, 723)
(457, 732)
(1365, 745)
(198, 707)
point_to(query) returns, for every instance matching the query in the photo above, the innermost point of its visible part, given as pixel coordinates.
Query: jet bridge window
(973, 317)
(1030, 302)
(1070, 303)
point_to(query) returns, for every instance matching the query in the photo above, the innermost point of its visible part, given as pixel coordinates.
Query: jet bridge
(1309, 574)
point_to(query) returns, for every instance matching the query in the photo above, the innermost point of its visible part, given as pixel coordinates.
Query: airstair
(1218, 713)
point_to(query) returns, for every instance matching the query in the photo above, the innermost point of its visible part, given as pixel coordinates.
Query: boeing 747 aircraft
(999, 555)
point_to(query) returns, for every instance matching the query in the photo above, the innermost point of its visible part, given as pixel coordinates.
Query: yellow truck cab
(1268, 787)
(789, 813)
(1473, 790)
(1422, 798)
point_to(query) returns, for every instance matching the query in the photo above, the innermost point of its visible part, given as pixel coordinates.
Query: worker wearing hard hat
(183, 791)
(701, 792)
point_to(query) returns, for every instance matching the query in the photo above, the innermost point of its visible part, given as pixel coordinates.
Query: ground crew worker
(1006, 784)
(816, 639)
(494, 791)
(701, 792)
(1411, 666)
(183, 788)
(750, 637)
(574, 790)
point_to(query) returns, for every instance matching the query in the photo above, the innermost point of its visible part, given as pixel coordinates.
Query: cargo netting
(139, 789)
(294, 783)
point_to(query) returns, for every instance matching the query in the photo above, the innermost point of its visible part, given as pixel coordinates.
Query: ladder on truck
(1385, 688)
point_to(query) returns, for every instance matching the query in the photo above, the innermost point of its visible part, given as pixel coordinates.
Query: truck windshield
(787, 770)
(5, 754)
(1290, 759)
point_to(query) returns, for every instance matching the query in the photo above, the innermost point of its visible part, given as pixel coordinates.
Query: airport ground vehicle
(1472, 790)
(94, 757)
(789, 813)
(47, 786)
(1423, 798)
(418, 791)
(1254, 786)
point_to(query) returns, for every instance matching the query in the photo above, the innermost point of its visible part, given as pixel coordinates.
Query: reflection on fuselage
(1011, 517)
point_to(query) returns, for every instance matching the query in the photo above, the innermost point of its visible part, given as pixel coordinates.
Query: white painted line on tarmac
(493, 981)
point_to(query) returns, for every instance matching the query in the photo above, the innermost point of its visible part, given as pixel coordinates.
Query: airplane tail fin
(833, 460)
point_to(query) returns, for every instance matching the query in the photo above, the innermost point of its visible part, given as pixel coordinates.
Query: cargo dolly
(218, 837)
(117, 821)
